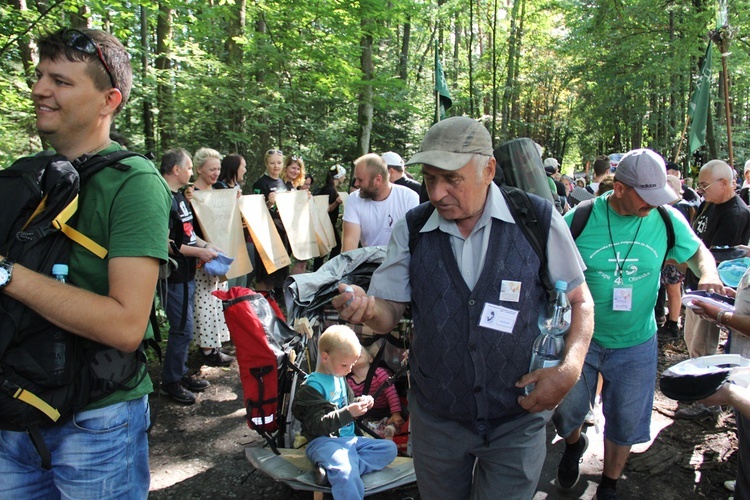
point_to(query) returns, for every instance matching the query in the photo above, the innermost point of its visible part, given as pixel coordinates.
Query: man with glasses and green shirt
(723, 220)
(624, 244)
(83, 79)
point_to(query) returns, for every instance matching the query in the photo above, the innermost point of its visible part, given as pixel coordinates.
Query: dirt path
(197, 451)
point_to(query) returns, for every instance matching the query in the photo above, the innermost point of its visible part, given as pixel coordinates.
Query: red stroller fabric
(257, 362)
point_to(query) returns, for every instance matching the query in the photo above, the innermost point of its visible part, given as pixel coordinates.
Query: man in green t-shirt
(624, 245)
(83, 80)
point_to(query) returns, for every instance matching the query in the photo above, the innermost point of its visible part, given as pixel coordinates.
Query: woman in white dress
(210, 328)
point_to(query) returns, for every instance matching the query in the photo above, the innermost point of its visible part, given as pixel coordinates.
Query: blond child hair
(339, 339)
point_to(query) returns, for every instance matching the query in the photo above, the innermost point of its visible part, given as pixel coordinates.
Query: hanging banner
(322, 224)
(266, 237)
(221, 223)
(294, 209)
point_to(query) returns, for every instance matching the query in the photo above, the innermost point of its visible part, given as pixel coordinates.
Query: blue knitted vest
(459, 370)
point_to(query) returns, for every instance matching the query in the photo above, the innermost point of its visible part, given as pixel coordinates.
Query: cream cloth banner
(344, 195)
(266, 237)
(322, 224)
(294, 209)
(221, 222)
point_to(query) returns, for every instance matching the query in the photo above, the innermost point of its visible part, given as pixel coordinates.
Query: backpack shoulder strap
(581, 217)
(88, 165)
(670, 228)
(416, 218)
(526, 216)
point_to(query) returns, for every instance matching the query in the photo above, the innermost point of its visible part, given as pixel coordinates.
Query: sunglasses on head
(295, 158)
(274, 152)
(80, 41)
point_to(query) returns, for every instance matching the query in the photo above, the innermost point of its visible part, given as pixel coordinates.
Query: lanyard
(618, 272)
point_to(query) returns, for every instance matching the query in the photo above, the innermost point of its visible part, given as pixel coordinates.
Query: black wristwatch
(6, 272)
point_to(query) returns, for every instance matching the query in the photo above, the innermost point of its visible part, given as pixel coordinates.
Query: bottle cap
(60, 270)
(561, 286)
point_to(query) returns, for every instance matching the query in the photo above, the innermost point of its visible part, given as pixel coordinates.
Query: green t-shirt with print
(126, 212)
(632, 247)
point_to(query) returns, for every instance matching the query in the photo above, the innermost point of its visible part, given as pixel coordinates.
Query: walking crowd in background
(462, 261)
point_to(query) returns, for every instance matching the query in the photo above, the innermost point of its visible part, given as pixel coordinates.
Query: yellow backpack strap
(32, 399)
(60, 222)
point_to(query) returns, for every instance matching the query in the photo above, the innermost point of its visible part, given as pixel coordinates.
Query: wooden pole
(682, 138)
(728, 111)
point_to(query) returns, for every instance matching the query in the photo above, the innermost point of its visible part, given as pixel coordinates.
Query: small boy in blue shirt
(326, 408)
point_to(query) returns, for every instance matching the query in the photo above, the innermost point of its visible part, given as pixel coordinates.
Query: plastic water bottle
(60, 272)
(554, 322)
(56, 352)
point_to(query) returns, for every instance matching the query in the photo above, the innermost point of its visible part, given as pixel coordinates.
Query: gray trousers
(453, 462)
(701, 336)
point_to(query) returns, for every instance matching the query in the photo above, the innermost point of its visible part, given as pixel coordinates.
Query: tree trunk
(511, 71)
(164, 96)
(471, 59)
(148, 114)
(27, 48)
(365, 108)
(403, 59)
(235, 29)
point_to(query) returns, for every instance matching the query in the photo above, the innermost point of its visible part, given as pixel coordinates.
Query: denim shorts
(627, 394)
(101, 453)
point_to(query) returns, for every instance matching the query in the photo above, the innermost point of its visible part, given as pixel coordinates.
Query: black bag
(46, 373)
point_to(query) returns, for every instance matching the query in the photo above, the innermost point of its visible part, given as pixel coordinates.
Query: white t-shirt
(377, 218)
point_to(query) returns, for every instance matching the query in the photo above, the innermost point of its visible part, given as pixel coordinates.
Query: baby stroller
(273, 360)
(309, 296)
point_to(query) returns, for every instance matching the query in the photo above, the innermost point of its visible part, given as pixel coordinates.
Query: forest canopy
(330, 80)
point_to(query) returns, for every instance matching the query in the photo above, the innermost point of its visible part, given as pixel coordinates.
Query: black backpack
(525, 214)
(46, 373)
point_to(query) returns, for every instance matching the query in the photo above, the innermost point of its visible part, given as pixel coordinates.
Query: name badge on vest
(622, 298)
(510, 291)
(498, 318)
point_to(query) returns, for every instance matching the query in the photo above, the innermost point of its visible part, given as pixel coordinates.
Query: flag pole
(437, 85)
(727, 109)
(682, 138)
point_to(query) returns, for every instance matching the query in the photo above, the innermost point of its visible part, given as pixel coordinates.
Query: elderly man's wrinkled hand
(353, 304)
(551, 386)
(711, 284)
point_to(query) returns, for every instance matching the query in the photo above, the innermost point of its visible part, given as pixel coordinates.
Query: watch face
(4, 276)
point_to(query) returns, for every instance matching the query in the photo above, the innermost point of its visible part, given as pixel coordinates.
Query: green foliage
(592, 76)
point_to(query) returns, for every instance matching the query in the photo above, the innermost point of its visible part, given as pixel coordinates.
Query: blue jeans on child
(346, 459)
(100, 453)
(175, 358)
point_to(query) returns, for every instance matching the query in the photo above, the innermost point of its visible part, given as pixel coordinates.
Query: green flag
(441, 86)
(699, 105)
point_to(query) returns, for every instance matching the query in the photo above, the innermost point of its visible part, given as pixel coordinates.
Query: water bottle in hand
(554, 323)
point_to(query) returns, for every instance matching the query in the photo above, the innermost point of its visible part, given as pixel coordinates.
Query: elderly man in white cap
(473, 282)
(396, 172)
(624, 244)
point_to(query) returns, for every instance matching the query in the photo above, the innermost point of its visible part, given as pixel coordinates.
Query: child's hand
(360, 406)
(396, 419)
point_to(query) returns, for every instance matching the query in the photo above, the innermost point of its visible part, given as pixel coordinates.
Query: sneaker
(669, 332)
(568, 471)
(606, 494)
(217, 358)
(697, 411)
(194, 384)
(177, 393)
(730, 485)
